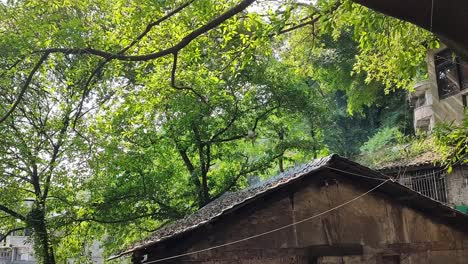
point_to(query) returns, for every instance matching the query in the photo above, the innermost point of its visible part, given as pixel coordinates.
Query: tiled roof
(227, 202)
(357, 173)
(424, 159)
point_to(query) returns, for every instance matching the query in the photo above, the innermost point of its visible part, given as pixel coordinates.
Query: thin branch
(254, 127)
(133, 43)
(4, 236)
(114, 221)
(156, 23)
(311, 22)
(151, 56)
(25, 86)
(55, 153)
(12, 66)
(173, 81)
(298, 26)
(243, 173)
(229, 124)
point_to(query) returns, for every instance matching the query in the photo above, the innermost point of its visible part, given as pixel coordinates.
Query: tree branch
(151, 56)
(133, 43)
(254, 127)
(4, 236)
(25, 86)
(55, 153)
(173, 81)
(310, 22)
(12, 213)
(113, 221)
(243, 173)
(229, 124)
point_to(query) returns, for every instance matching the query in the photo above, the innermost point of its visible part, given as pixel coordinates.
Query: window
(429, 182)
(451, 73)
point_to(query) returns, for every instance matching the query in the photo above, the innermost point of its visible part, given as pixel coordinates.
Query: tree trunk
(281, 159)
(42, 244)
(446, 18)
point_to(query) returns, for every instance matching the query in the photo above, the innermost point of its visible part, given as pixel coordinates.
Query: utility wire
(273, 230)
(358, 175)
(432, 15)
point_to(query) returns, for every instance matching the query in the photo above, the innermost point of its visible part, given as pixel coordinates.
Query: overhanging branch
(151, 56)
(101, 64)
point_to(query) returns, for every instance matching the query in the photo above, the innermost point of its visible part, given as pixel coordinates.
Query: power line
(432, 15)
(273, 230)
(358, 175)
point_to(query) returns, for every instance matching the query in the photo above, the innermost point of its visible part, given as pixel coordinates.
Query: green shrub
(383, 138)
(453, 141)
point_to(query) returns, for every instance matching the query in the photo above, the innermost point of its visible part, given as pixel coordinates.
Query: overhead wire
(358, 175)
(273, 230)
(432, 15)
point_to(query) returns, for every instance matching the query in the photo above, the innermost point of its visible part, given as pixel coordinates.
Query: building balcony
(423, 118)
(423, 112)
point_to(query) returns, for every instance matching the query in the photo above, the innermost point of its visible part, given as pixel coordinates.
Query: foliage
(389, 147)
(452, 139)
(391, 51)
(123, 115)
(43, 155)
(382, 139)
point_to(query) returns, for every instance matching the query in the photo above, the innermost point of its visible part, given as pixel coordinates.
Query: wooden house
(330, 210)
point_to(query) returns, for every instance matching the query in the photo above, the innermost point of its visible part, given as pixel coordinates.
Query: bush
(389, 147)
(383, 138)
(453, 141)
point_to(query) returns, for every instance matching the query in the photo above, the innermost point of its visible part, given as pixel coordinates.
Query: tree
(42, 153)
(192, 89)
(446, 19)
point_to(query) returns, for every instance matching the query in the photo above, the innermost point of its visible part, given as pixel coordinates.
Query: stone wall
(457, 185)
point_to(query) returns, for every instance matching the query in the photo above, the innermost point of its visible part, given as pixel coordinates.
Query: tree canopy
(119, 116)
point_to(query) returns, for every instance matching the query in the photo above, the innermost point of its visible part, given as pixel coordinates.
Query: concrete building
(331, 210)
(17, 249)
(443, 96)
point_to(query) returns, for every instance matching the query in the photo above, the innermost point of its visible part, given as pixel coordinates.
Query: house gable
(378, 222)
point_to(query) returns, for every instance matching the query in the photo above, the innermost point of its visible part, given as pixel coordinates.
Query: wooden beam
(335, 250)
